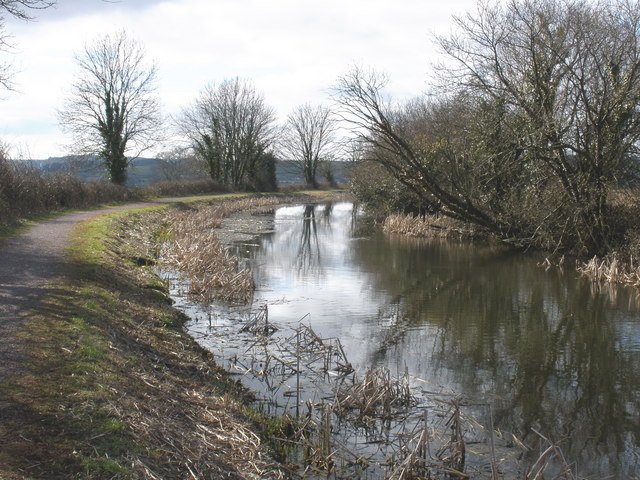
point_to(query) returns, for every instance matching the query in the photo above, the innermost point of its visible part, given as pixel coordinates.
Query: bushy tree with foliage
(231, 129)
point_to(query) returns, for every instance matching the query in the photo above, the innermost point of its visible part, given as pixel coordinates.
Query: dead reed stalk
(611, 269)
(550, 459)
(194, 250)
(426, 226)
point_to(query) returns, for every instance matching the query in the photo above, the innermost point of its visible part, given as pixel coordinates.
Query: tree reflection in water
(548, 350)
(309, 257)
(539, 345)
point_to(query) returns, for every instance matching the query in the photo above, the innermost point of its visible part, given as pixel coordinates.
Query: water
(547, 349)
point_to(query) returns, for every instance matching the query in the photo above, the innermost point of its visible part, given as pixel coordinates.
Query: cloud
(292, 50)
(65, 9)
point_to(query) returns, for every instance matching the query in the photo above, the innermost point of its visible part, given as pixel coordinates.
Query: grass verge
(115, 389)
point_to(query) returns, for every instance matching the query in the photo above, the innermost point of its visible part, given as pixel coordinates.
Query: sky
(292, 50)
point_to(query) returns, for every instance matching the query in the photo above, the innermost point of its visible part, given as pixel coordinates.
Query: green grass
(65, 401)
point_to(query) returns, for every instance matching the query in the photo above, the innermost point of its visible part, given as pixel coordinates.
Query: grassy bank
(114, 387)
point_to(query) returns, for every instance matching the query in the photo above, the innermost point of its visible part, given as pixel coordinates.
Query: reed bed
(427, 226)
(194, 250)
(372, 424)
(376, 394)
(611, 269)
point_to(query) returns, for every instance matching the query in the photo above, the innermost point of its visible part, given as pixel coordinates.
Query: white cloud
(292, 50)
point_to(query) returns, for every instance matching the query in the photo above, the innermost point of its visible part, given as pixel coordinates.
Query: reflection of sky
(544, 347)
(307, 268)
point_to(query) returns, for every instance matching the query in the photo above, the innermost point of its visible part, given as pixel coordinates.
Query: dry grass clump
(195, 431)
(194, 250)
(427, 227)
(612, 270)
(376, 394)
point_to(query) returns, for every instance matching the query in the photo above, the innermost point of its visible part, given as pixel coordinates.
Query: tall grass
(26, 191)
(427, 227)
(195, 250)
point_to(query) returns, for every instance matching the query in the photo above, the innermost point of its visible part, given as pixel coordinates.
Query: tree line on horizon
(531, 127)
(113, 113)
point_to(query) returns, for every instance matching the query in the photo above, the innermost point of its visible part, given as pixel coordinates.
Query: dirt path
(29, 263)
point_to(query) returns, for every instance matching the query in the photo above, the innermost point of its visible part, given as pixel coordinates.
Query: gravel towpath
(29, 263)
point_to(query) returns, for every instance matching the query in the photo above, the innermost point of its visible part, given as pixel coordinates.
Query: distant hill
(147, 171)
(288, 174)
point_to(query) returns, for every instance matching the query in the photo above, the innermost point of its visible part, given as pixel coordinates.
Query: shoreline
(115, 387)
(611, 269)
(119, 389)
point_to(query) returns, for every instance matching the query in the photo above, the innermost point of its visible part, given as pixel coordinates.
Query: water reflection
(540, 344)
(547, 350)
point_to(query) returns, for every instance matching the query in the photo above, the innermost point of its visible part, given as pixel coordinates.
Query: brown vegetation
(193, 249)
(372, 424)
(611, 270)
(428, 226)
(26, 191)
(116, 389)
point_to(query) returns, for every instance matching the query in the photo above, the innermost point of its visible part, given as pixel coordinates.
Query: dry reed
(399, 436)
(427, 227)
(377, 394)
(551, 458)
(611, 269)
(195, 251)
(373, 425)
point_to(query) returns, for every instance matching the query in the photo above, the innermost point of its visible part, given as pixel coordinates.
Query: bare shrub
(26, 191)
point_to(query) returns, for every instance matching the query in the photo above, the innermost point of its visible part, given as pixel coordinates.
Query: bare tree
(308, 139)
(569, 72)
(540, 122)
(112, 111)
(231, 130)
(394, 140)
(20, 8)
(179, 164)
(5, 66)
